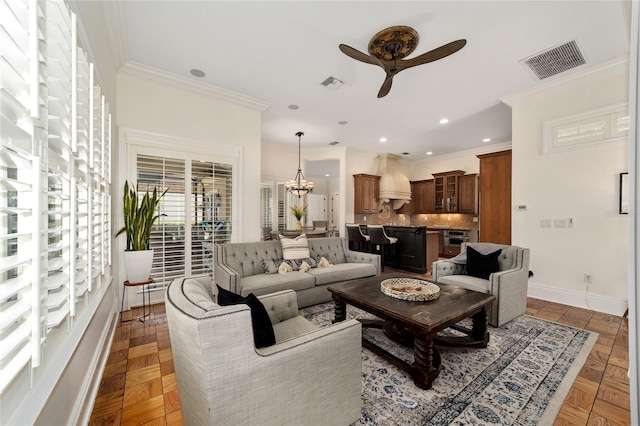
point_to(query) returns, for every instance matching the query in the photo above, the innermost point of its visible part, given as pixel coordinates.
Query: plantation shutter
(168, 233)
(266, 207)
(193, 216)
(46, 184)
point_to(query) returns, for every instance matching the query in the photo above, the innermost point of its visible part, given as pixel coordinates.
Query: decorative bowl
(410, 289)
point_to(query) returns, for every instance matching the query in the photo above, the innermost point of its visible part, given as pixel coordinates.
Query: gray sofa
(239, 267)
(312, 375)
(509, 284)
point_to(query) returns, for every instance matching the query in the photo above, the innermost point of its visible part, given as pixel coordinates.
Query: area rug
(521, 378)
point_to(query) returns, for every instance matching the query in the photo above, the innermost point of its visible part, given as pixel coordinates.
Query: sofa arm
(281, 305)
(224, 276)
(362, 257)
(442, 268)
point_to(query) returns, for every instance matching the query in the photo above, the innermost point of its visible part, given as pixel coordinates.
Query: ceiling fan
(389, 47)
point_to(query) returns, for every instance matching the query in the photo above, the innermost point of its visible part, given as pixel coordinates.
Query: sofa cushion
(263, 334)
(342, 272)
(295, 248)
(270, 283)
(466, 281)
(292, 328)
(482, 265)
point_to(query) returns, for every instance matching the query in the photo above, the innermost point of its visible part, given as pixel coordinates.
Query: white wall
(582, 185)
(154, 102)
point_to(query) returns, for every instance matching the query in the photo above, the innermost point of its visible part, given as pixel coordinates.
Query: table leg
(340, 310)
(426, 362)
(479, 330)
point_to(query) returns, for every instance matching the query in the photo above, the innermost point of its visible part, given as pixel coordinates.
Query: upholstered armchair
(508, 284)
(310, 376)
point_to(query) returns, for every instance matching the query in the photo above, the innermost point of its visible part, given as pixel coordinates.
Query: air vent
(555, 61)
(332, 83)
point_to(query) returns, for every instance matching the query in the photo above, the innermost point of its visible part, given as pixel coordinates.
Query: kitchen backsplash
(389, 217)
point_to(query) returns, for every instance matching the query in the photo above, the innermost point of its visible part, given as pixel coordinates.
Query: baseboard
(84, 405)
(579, 299)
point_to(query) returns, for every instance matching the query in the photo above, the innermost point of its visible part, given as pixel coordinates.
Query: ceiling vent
(555, 61)
(332, 83)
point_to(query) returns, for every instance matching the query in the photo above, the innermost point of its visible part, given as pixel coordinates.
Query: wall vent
(555, 60)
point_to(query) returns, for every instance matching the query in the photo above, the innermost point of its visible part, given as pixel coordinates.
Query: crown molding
(488, 149)
(615, 66)
(114, 20)
(156, 75)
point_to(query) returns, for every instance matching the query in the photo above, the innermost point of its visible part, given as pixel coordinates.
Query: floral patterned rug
(520, 378)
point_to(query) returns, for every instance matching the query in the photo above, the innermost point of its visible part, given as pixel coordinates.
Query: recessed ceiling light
(383, 139)
(342, 123)
(444, 121)
(197, 73)
(293, 106)
(327, 175)
(334, 143)
(486, 140)
(406, 153)
(429, 152)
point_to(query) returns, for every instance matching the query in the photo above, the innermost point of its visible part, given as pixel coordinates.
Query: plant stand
(144, 304)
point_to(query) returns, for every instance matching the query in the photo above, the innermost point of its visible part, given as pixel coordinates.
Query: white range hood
(394, 185)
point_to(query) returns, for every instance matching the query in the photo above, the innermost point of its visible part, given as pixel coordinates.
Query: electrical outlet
(588, 278)
(545, 223)
(559, 223)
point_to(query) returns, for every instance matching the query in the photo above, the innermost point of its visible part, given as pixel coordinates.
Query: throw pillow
(263, 334)
(323, 263)
(304, 266)
(271, 266)
(284, 268)
(482, 265)
(295, 248)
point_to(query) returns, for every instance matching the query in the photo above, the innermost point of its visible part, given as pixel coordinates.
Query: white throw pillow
(296, 248)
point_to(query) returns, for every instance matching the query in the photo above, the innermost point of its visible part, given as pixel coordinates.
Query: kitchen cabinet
(495, 197)
(423, 197)
(366, 188)
(446, 191)
(468, 194)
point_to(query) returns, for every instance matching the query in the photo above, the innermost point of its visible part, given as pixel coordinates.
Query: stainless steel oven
(455, 238)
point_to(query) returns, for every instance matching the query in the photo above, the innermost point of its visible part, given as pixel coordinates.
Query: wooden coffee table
(416, 323)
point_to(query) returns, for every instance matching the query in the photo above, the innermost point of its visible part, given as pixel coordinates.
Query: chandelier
(299, 185)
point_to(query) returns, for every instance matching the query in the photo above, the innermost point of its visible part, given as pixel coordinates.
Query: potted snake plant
(139, 216)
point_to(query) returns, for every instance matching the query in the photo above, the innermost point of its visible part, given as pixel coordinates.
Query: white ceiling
(280, 52)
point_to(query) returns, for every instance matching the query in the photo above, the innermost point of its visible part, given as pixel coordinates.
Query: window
(195, 212)
(606, 125)
(54, 203)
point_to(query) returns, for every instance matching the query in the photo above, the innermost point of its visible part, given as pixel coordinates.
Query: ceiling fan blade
(433, 55)
(386, 86)
(358, 55)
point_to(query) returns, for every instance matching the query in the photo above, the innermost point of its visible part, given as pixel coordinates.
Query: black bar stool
(356, 237)
(380, 238)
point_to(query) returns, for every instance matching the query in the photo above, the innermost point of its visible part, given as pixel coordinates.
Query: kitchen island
(415, 251)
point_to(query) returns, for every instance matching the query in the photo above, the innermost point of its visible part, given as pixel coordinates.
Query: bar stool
(380, 238)
(356, 237)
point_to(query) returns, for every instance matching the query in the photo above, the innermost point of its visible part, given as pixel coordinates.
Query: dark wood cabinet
(446, 191)
(366, 188)
(422, 196)
(468, 194)
(495, 197)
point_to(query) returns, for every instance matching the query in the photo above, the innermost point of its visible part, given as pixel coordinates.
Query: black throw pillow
(263, 335)
(482, 265)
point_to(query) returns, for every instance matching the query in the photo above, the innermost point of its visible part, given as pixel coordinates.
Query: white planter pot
(137, 265)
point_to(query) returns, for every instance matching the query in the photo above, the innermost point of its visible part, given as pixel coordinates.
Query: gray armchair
(310, 376)
(509, 284)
